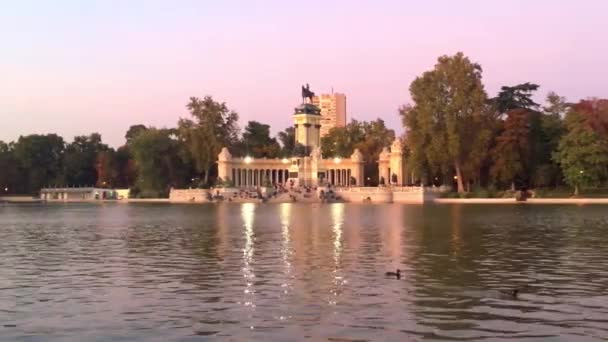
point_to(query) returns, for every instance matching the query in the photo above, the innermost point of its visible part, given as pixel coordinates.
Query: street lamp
(285, 160)
(248, 160)
(337, 160)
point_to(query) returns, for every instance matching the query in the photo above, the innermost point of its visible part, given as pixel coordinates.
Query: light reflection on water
(297, 271)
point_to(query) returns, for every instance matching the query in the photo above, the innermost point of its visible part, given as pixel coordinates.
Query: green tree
(10, 177)
(376, 137)
(159, 166)
(515, 97)
(213, 126)
(39, 158)
(80, 159)
(582, 152)
(341, 141)
(125, 168)
(288, 141)
(417, 142)
(133, 131)
(556, 105)
(256, 141)
(448, 120)
(369, 137)
(552, 128)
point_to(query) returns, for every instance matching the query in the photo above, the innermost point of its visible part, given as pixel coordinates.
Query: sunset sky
(76, 67)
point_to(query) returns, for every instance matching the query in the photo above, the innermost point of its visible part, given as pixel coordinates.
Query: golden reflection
(390, 232)
(456, 219)
(285, 214)
(337, 215)
(248, 215)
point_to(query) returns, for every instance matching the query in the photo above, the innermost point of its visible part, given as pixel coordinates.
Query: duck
(510, 293)
(394, 274)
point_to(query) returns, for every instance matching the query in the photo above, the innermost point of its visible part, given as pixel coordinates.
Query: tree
(515, 97)
(39, 158)
(376, 137)
(125, 168)
(416, 141)
(256, 141)
(516, 153)
(133, 131)
(512, 149)
(369, 137)
(10, 177)
(214, 126)
(106, 168)
(288, 141)
(551, 130)
(582, 152)
(159, 166)
(341, 141)
(557, 105)
(80, 159)
(447, 121)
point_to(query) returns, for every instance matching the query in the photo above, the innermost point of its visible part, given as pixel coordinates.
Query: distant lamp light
(455, 177)
(6, 189)
(285, 160)
(582, 172)
(337, 160)
(248, 160)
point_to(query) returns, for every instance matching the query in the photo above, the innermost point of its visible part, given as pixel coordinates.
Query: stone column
(224, 161)
(348, 172)
(357, 168)
(396, 161)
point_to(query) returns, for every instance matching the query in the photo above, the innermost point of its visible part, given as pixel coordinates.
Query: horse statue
(307, 94)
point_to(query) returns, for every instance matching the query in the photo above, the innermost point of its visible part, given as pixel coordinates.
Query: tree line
(456, 133)
(153, 160)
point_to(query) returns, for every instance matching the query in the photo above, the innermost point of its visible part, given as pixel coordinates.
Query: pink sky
(74, 67)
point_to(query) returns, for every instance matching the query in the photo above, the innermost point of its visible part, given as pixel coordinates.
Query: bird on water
(510, 293)
(394, 274)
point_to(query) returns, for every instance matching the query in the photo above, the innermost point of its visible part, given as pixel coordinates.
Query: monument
(301, 169)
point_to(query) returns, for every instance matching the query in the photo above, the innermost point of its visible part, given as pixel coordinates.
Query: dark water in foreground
(289, 272)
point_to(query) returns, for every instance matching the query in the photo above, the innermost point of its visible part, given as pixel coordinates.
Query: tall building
(333, 111)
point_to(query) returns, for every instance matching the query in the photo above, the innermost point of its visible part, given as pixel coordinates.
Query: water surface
(291, 272)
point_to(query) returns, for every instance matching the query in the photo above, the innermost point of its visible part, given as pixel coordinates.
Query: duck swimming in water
(510, 293)
(394, 274)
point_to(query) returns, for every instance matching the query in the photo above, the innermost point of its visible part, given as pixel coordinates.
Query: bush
(151, 194)
(449, 195)
(483, 194)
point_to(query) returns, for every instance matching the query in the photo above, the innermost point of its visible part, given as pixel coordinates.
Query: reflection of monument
(307, 169)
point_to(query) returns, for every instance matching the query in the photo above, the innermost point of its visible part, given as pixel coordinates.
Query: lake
(291, 272)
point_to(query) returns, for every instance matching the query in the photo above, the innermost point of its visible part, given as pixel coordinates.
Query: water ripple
(293, 272)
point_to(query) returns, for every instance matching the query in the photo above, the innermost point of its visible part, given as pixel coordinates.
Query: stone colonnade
(245, 176)
(339, 177)
(249, 172)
